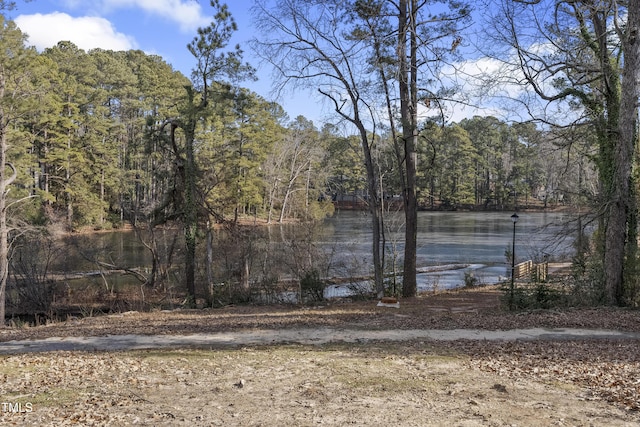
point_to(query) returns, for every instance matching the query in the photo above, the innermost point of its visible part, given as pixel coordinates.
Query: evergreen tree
(214, 63)
(455, 159)
(70, 173)
(115, 86)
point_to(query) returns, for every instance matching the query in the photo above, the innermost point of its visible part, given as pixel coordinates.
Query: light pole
(514, 218)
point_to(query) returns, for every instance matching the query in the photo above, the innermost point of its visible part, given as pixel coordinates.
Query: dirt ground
(412, 383)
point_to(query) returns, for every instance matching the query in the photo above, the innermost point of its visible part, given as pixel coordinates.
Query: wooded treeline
(89, 149)
(100, 138)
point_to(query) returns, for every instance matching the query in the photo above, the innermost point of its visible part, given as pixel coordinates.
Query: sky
(164, 28)
(159, 27)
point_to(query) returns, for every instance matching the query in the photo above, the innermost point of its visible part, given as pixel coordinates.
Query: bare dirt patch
(414, 383)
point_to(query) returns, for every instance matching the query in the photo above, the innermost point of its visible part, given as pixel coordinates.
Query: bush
(587, 280)
(392, 287)
(470, 280)
(312, 287)
(269, 290)
(542, 296)
(30, 287)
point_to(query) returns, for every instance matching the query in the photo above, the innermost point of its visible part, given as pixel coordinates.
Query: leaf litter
(579, 382)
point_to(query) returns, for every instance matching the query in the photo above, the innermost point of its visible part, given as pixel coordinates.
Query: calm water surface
(479, 241)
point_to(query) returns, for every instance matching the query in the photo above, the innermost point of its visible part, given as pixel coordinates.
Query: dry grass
(405, 384)
(477, 308)
(377, 383)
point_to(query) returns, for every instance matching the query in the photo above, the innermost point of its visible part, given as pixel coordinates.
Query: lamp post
(514, 218)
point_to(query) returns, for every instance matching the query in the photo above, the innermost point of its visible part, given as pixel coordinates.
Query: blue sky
(161, 27)
(164, 27)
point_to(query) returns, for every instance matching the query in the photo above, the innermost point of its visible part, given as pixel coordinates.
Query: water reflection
(478, 241)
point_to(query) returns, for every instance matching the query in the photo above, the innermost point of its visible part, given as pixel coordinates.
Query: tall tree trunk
(375, 208)
(272, 197)
(190, 205)
(67, 181)
(376, 215)
(4, 231)
(209, 255)
(102, 194)
(190, 217)
(67, 177)
(5, 181)
(285, 202)
(409, 117)
(617, 237)
(306, 203)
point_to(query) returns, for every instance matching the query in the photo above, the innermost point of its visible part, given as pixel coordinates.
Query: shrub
(312, 287)
(30, 288)
(542, 296)
(470, 280)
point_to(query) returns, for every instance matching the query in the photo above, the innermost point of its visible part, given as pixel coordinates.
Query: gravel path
(298, 335)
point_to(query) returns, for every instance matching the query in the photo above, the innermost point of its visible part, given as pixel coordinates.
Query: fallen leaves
(463, 309)
(459, 383)
(111, 389)
(609, 370)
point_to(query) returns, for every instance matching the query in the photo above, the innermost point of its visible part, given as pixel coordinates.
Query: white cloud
(85, 32)
(487, 77)
(478, 83)
(187, 14)
(488, 86)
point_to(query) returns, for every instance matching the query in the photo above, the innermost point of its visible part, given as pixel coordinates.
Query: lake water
(477, 240)
(466, 242)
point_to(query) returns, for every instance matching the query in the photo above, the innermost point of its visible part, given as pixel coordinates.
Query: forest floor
(405, 381)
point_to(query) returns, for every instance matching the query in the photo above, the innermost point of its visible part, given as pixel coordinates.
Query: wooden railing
(540, 272)
(523, 269)
(537, 272)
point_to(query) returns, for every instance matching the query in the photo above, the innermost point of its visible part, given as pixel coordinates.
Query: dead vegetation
(405, 384)
(476, 308)
(580, 382)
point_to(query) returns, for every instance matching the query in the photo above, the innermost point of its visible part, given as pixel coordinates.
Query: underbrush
(562, 292)
(535, 296)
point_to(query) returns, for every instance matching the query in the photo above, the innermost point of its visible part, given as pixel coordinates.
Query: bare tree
(17, 100)
(354, 52)
(291, 162)
(307, 44)
(408, 43)
(583, 57)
